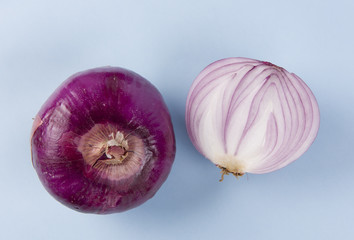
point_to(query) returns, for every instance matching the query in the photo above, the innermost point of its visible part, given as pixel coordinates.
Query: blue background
(170, 42)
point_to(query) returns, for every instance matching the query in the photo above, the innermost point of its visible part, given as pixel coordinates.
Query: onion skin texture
(246, 115)
(78, 148)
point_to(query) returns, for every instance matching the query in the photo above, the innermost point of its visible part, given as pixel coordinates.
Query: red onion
(246, 115)
(103, 142)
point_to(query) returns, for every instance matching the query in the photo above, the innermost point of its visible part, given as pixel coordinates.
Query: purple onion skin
(103, 98)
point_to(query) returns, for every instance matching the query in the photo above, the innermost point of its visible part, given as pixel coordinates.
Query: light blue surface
(170, 42)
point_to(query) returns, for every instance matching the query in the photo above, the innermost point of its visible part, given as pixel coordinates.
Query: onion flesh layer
(246, 115)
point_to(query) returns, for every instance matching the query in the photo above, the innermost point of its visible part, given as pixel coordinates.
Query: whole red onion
(103, 142)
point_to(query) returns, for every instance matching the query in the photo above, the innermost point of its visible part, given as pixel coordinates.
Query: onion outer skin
(246, 115)
(98, 97)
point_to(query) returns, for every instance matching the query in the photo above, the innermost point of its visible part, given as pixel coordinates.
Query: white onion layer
(250, 116)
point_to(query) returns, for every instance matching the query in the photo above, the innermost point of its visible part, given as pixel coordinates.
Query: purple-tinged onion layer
(246, 115)
(103, 142)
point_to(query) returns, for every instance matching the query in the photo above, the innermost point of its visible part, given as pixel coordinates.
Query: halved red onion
(246, 115)
(103, 142)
